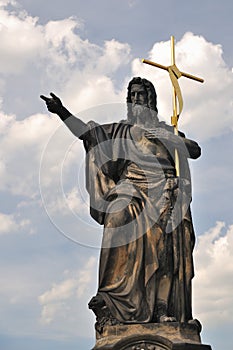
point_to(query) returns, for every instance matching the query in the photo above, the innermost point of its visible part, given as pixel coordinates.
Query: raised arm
(54, 105)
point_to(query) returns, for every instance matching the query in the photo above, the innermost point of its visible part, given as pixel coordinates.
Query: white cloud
(4, 3)
(49, 312)
(66, 299)
(207, 107)
(114, 55)
(71, 201)
(21, 147)
(57, 56)
(23, 279)
(213, 283)
(11, 224)
(8, 223)
(61, 291)
(86, 276)
(21, 41)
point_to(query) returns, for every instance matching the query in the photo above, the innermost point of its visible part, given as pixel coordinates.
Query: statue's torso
(150, 161)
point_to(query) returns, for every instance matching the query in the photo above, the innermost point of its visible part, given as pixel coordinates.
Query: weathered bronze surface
(146, 264)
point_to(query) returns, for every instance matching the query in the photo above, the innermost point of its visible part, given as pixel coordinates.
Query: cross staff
(175, 74)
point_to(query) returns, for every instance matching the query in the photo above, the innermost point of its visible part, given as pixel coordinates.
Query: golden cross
(174, 74)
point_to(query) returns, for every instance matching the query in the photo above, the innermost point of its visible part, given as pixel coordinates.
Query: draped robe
(148, 231)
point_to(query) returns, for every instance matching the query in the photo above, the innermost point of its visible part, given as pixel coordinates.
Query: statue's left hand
(53, 103)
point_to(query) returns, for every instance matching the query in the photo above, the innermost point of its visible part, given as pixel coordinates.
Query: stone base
(150, 336)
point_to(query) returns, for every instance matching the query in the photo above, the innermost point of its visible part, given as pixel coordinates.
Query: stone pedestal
(150, 336)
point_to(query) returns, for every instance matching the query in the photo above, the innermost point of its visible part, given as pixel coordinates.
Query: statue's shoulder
(170, 128)
(93, 124)
(108, 129)
(164, 125)
(106, 125)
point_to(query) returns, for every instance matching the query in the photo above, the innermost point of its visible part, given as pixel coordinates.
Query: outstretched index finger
(46, 99)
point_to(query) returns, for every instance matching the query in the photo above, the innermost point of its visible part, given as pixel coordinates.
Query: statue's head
(141, 94)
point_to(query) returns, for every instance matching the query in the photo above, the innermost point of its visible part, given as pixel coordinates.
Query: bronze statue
(146, 265)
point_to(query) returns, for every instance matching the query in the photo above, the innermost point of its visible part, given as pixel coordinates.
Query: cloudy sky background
(86, 53)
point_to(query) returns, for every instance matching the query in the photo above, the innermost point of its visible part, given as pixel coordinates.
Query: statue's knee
(117, 219)
(117, 214)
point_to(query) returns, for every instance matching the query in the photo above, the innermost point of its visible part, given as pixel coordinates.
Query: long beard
(143, 116)
(139, 110)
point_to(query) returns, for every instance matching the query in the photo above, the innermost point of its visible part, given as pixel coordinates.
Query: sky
(86, 53)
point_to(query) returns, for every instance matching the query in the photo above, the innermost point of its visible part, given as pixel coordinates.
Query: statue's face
(139, 111)
(138, 95)
(139, 101)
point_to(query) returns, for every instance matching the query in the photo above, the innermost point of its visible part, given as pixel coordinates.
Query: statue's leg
(120, 267)
(164, 289)
(165, 278)
(114, 241)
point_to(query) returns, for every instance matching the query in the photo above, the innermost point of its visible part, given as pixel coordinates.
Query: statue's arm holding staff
(189, 147)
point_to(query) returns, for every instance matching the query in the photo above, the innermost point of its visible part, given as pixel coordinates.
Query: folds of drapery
(139, 248)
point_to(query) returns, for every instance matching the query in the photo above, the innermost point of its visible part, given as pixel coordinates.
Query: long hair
(151, 96)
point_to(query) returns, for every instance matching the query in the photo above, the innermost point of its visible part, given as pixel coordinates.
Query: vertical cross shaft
(175, 116)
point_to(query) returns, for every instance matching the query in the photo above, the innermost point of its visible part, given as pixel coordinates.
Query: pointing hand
(53, 103)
